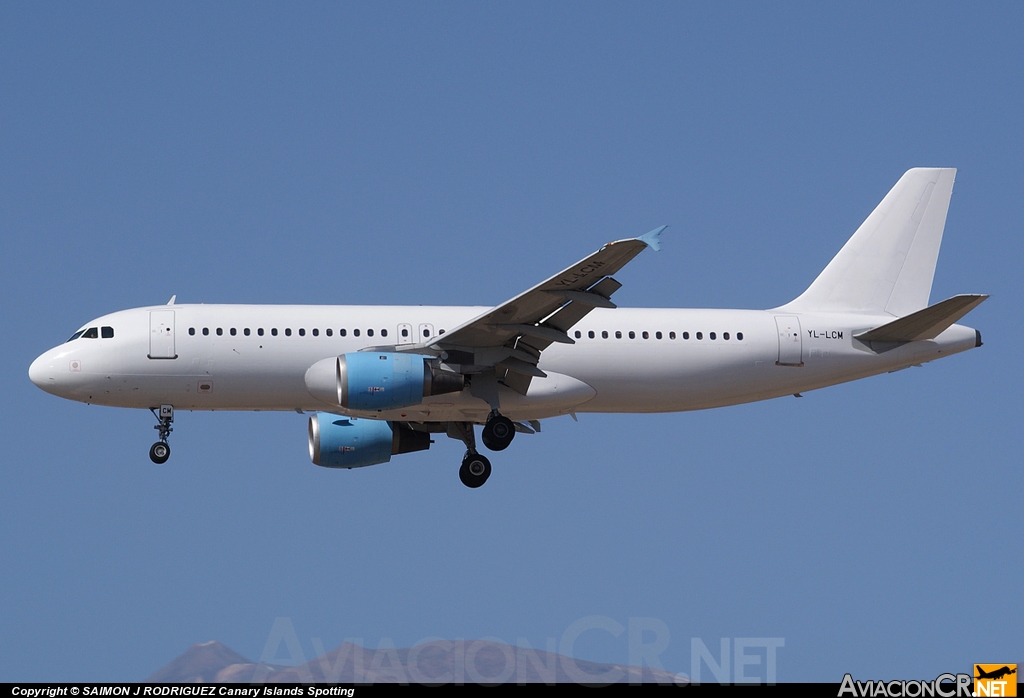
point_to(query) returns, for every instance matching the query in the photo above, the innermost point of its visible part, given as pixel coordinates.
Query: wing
(510, 337)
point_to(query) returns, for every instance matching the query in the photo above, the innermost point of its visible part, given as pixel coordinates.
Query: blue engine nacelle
(372, 381)
(346, 442)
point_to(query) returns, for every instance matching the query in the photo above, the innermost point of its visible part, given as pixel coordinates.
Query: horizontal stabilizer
(924, 324)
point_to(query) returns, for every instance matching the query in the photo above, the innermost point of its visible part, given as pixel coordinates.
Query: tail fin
(889, 263)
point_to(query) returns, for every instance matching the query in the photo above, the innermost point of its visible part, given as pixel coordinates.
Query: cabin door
(790, 341)
(161, 334)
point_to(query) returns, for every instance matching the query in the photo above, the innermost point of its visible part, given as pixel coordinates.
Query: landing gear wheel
(475, 470)
(498, 433)
(159, 452)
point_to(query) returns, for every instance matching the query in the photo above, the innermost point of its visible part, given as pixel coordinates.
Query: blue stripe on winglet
(653, 238)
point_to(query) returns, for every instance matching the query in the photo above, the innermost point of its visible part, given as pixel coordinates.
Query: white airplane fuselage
(637, 359)
(381, 379)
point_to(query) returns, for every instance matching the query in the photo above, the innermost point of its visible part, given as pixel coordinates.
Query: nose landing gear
(161, 450)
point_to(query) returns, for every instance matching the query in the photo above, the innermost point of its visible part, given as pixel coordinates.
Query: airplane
(381, 380)
(995, 674)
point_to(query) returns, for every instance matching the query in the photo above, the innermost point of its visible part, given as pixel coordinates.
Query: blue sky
(458, 153)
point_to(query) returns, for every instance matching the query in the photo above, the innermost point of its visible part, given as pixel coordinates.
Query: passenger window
(287, 331)
(220, 332)
(405, 332)
(233, 331)
(578, 334)
(426, 332)
(383, 333)
(632, 334)
(646, 336)
(342, 333)
(107, 332)
(590, 334)
(302, 331)
(260, 332)
(369, 333)
(316, 332)
(91, 333)
(686, 335)
(700, 335)
(618, 334)
(657, 335)
(712, 335)
(329, 332)
(725, 335)
(604, 334)
(440, 331)
(739, 336)
(246, 331)
(671, 335)
(273, 331)
(191, 331)
(355, 333)
(206, 331)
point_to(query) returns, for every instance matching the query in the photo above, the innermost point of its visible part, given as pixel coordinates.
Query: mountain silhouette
(439, 662)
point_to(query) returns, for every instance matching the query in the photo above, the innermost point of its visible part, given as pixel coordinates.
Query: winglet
(653, 238)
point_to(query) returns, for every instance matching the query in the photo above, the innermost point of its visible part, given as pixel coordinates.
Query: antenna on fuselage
(171, 302)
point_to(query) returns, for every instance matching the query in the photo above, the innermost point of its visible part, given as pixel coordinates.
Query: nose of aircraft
(41, 373)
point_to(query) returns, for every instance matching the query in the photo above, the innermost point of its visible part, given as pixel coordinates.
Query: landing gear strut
(475, 468)
(161, 450)
(498, 433)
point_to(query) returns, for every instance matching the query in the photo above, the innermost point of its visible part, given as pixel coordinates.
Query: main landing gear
(161, 450)
(475, 470)
(497, 434)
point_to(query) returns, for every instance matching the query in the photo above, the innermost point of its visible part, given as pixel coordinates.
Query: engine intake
(347, 442)
(373, 381)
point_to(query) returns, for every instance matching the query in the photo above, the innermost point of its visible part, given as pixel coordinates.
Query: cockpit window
(107, 332)
(91, 333)
(76, 335)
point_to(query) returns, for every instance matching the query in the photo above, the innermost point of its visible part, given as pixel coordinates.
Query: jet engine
(347, 442)
(369, 380)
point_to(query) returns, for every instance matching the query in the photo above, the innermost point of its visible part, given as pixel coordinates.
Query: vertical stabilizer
(889, 263)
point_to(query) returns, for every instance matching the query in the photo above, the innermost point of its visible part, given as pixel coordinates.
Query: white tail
(889, 263)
